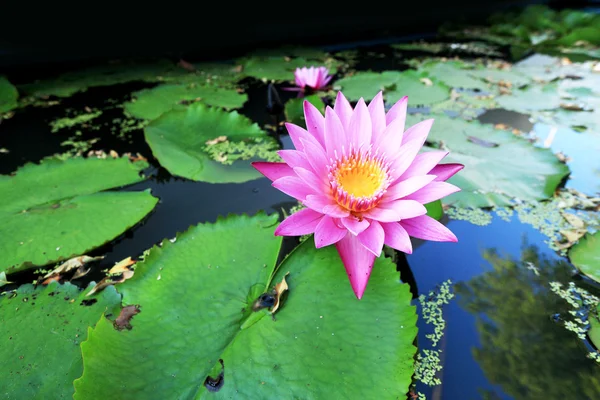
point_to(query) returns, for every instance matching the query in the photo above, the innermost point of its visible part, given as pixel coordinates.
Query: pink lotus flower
(363, 184)
(314, 77)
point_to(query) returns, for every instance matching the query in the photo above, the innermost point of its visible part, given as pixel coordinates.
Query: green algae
(70, 122)
(476, 216)
(226, 152)
(429, 360)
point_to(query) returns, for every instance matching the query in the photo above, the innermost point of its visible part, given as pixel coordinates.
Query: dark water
(501, 341)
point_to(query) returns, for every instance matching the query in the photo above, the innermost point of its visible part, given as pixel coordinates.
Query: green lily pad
(585, 255)
(488, 179)
(454, 73)
(419, 87)
(505, 77)
(52, 211)
(366, 84)
(8, 95)
(151, 103)
(294, 108)
(435, 209)
(273, 68)
(78, 81)
(41, 329)
(178, 140)
(321, 335)
(594, 332)
(531, 98)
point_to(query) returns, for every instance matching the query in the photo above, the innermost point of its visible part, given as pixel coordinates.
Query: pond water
(504, 336)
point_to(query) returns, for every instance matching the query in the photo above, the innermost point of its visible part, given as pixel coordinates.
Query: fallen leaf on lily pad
(122, 266)
(119, 273)
(69, 265)
(279, 289)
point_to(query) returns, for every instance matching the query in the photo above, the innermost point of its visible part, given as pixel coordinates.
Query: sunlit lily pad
(321, 335)
(8, 95)
(420, 88)
(41, 329)
(294, 108)
(585, 255)
(52, 211)
(151, 103)
(499, 166)
(178, 140)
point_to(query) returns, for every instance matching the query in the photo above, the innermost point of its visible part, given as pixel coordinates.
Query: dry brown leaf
(110, 280)
(574, 220)
(71, 264)
(573, 235)
(216, 140)
(137, 157)
(279, 289)
(122, 266)
(123, 321)
(119, 273)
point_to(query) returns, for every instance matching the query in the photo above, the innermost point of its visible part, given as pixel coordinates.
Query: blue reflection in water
(582, 150)
(492, 287)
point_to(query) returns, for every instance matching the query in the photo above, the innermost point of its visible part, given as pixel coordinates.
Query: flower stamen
(359, 179)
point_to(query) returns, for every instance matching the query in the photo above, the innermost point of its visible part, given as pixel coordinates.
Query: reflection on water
(501, 340)
(581, 148)
(522, 348)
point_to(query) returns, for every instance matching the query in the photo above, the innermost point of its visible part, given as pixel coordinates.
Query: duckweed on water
(428, 362)
(227, 152)
(67, 122)
(476, 216)
(584, 308)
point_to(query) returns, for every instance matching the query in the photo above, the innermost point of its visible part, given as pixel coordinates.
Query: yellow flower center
(359, 181)
(362, 179)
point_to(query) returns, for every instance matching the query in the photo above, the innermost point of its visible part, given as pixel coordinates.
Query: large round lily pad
(420, 88)
(195, 298)
(499, 166)
(8, 95)
(179, 140)
(40, 331)
(585, 255)
(151, 103)
(52, 211)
